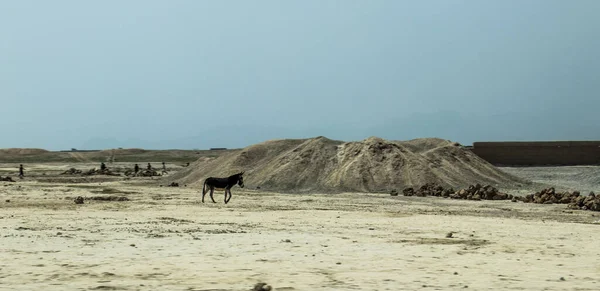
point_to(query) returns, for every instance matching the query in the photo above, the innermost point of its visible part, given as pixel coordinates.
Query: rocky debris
(7, 179)
(478, 192)
(394, 192)
(429, 189)
(550, 196)
(142, 173)
(78, 200)
(72, 171)
(95, 171)
(574, 199)
(590, 202)
(108, 198)
(173, 184)
(261, 287)
(473, 192)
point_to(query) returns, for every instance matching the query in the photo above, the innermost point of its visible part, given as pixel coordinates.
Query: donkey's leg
(204, 193)
(225, 198)
(212, 189)
(228, 198)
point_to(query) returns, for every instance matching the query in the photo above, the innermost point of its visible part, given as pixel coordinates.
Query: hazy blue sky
(199, 74)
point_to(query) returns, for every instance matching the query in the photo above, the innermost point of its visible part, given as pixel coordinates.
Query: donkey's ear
(242, 172)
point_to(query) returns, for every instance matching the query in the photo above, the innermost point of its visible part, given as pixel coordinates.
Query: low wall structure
(533, 153)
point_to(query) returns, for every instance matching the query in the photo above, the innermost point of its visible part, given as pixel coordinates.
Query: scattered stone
(394, 193)
(79, 200)
(449, 235)
(108, 198)
(286, 241)
(173, 184)
(7, 200)
(72, 171)
(473, 192)
(476, 192)
(262, 287)
(428, 189)
(95, 171)
(142, 173)
(574, 199)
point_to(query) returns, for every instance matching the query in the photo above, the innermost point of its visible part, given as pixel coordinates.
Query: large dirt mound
(374, 164)
(22, 151)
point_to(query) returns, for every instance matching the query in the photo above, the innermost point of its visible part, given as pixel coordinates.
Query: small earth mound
(261, 287)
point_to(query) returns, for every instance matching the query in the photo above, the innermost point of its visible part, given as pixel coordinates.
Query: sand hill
(374, 164)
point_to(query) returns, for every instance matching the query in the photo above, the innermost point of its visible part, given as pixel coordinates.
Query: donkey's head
(241, 179)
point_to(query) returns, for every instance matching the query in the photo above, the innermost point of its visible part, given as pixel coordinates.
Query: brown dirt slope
(371, 165)
(118, 155)
(21, 151)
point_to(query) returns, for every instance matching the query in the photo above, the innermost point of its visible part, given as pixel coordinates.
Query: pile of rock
(7, 179)
(487, 192)
(72, 171)
(479, 192)
(473, 192)
(95, 171)
(574, 199)
(142, 173)
(429, 189)
(590, 202)
(550, 196)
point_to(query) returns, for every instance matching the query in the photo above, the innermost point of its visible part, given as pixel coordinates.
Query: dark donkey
(224, 183)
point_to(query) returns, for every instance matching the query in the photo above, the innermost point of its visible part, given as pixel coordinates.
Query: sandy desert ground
(163, 238)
